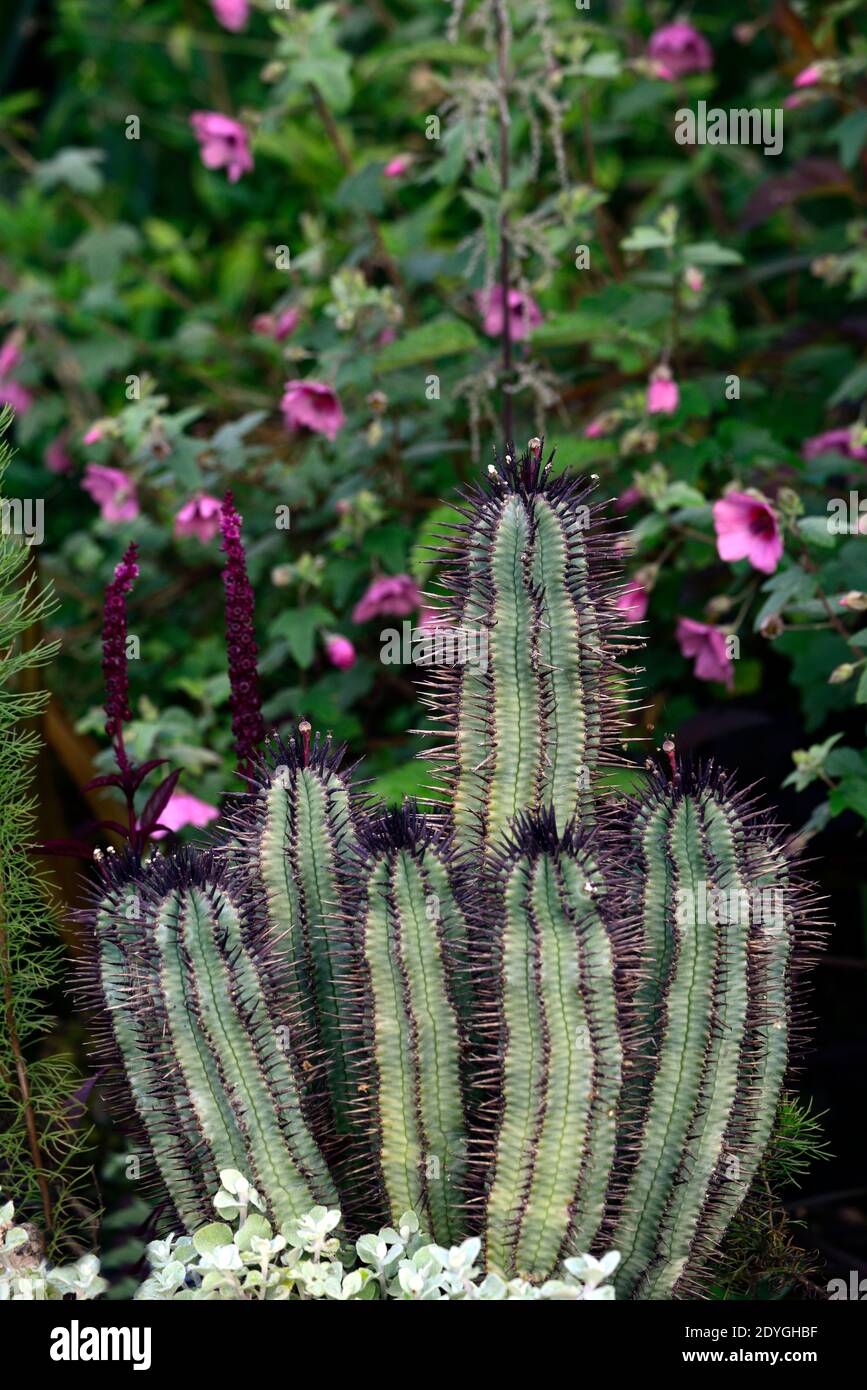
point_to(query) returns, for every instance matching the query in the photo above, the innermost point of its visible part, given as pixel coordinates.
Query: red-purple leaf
(141, 773)
(157, 801)
(70, 849)
(111, 779)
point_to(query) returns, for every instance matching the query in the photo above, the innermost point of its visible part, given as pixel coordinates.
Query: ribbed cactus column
(533, 574)
(412, 936)
(716, 941)
(289, 834)
(182, 971)
(556, 1072)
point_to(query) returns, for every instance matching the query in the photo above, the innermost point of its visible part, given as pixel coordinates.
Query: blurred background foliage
(153, 310)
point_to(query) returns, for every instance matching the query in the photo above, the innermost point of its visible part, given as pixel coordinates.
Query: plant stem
(502, 26)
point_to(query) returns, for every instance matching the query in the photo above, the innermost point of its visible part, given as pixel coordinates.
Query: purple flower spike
(114, 663)
(246, 701)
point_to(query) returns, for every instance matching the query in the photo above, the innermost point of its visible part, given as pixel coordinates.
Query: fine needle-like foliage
(539, 1015)
(40, 1141)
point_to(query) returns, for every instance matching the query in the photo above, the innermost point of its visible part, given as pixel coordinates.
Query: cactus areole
(536, 1010)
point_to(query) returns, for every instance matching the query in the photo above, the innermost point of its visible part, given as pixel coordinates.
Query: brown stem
(505, 273)
(21, 1066)
(386, 260)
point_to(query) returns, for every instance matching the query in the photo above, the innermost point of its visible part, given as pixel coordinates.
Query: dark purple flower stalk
(246, 701)
(114, 659)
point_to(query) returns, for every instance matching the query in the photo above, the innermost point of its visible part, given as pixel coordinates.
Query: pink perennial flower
(524, 313)
(184, 809)
(398, 166)
(94, 434)
(232, 14)
(840, 441)
(112, 491)
(809, 76)
(633, 602)
(311, 405)
(224, 143)
(393, 596)
(55, 456)
(694, 279)
(663, 393)
(340, 651)
(747, 529)
(11, 391)
(678, 49)
(277, 326)
(708, 646)
(200, 517)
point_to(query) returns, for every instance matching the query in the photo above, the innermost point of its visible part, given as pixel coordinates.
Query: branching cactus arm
(533, 573)
(557, 1059)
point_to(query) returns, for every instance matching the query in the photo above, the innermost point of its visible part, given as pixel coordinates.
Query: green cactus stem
(211, 1077)
(556, 1073)
(533, 569)
(411, 937)
(719, 930)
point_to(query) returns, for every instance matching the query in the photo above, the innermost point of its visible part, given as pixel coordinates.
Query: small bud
(842, 673)
(718, 605)
(772, 626)
(378, 402)
(856, 600)
(535, 446)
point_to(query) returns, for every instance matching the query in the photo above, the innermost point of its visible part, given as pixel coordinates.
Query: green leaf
(710, 253)
(647, 239)
(861, 692)
(74, 167)
(793, 585)
(815, 531)
(207, 1238)
(442, 337)
(850, 795)
(851, 135)
(103, 249)
(299, 627)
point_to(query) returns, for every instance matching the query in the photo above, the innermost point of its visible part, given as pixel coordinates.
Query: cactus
(531, 570)
(508, 1013)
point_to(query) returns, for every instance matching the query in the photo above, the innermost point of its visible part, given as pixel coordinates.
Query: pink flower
(833, 441)
(340, 651)
(598, 427)
(112, 491)
(387, 336)
(633, 602)
(224, 143)
(312, 405)
(708, 646)
(524, 313)
(397, 166)
(55, 457)
(93, 435)
(747, 529)
(232, 14)
(694, 279)
(809, 76)
(14, 394)
(393, 595)
(200, 517)
(678, 49)
(277, 326)
(183, 809)
(663, 394)
(10, 354)
(628, 498)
